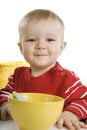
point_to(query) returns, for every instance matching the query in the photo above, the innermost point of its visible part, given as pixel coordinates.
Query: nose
(41, 44)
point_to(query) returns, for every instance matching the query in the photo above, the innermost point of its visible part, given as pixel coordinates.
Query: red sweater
(57, 81)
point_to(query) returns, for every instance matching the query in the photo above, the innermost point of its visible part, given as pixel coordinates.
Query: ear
(62, 47)
(20, 46)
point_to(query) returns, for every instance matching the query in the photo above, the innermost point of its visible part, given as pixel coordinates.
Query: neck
(37, 72)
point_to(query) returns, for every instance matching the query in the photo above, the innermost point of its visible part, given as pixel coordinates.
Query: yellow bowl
(37, 111)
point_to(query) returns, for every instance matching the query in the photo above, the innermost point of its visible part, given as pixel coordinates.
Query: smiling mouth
(41, 55)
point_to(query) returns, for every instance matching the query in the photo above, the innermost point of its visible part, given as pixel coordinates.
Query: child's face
(42, 43)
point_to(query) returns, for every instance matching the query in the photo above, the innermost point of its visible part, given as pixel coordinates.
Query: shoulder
(21, 70)
(68, 73)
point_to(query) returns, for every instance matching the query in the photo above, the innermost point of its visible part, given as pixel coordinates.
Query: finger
(8, 112)
(60, 123)
(69, 125)
(82, 124)
(76, 124)
(9, 115)
(3, 115)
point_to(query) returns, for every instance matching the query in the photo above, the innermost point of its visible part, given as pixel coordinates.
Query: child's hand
(71, 121)
(5, 111)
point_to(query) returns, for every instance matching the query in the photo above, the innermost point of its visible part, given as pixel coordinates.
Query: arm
(14, 84)
(75, 108)
(4, 93)
(76, 100)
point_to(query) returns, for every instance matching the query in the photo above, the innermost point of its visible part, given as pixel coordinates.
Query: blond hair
(38, 15)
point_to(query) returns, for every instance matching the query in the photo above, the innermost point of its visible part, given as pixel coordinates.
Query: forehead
(42, 20)
(42, 26)
(48, 25)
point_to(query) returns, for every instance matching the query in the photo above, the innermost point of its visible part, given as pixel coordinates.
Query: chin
(43, 65)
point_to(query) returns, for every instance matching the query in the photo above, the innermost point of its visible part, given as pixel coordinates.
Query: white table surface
(11, 125)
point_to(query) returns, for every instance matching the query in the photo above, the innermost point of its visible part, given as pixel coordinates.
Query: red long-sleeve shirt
(57, 81)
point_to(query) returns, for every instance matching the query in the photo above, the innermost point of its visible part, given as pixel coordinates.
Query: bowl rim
(58, 98)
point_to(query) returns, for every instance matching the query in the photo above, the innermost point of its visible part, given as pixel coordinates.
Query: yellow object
(7, 68)
(37, 111)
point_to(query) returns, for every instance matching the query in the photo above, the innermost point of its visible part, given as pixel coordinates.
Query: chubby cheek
(55, 51)
(27, 52)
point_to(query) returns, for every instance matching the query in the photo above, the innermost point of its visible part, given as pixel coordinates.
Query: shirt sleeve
(75, 96)
(4, 93)
(14, 82)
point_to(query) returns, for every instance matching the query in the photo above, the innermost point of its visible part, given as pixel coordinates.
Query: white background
(72, 12)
